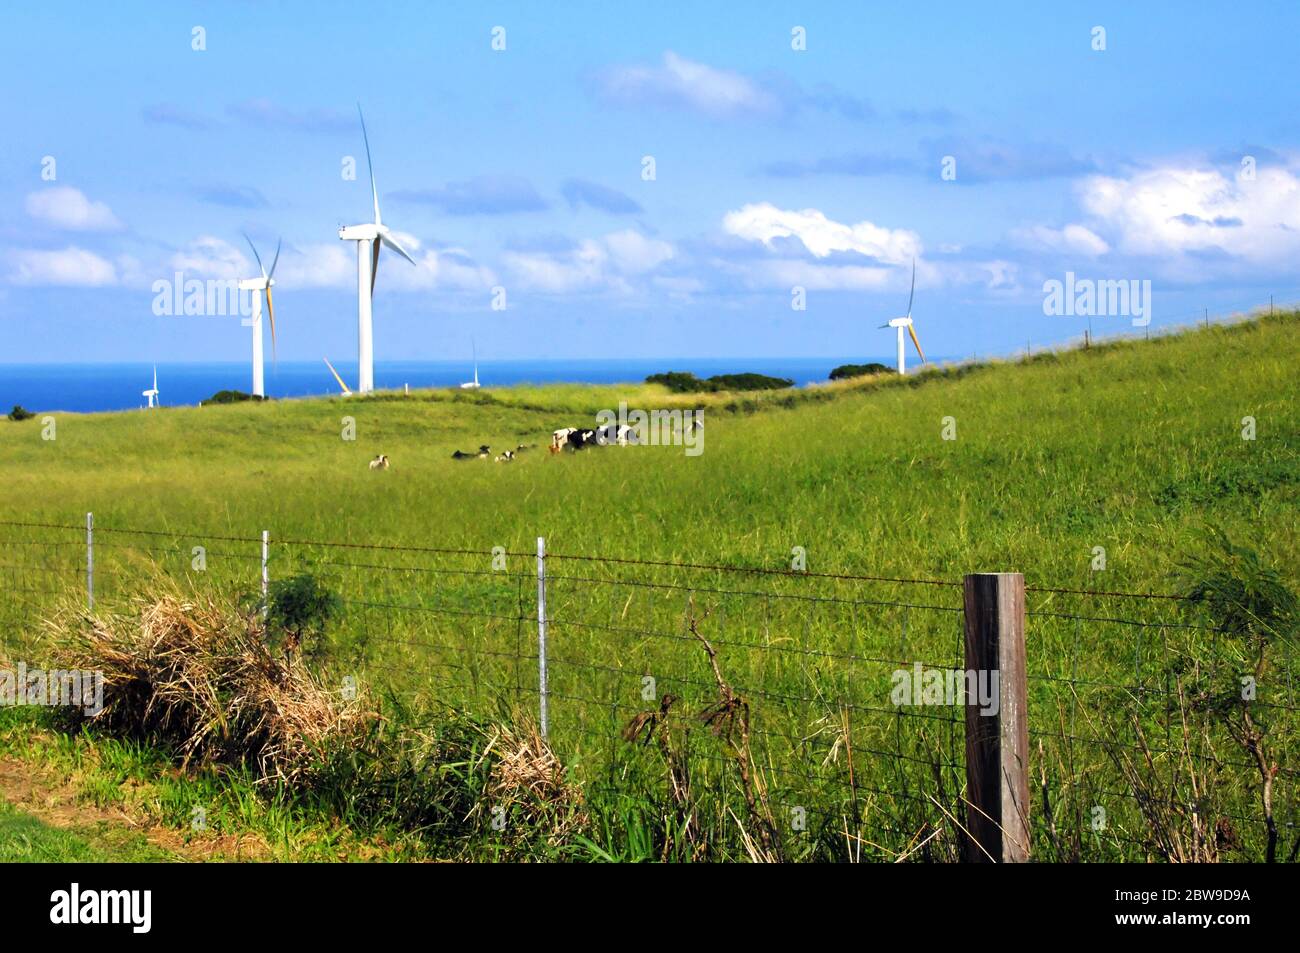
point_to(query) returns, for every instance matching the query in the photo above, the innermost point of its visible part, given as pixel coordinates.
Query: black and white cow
(578, 439)
(616, 434)
(560, 438)
(482, 454)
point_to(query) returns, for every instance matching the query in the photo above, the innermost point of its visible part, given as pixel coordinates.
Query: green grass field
(1134, 446)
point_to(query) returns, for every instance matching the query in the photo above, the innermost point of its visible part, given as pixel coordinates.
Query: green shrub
(20, 413)
(684, 382)
(300, 607)
(231, 397)
(845, 371)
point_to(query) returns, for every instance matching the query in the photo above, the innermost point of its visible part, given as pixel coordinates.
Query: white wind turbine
(368, 237)
(906, 322)
(152, 393)
(472, 385)
(259, 286)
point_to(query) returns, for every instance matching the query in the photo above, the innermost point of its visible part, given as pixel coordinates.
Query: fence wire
(1135, 704)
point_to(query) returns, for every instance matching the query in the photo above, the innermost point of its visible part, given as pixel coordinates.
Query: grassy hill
(1132, 446)
(1135, 447)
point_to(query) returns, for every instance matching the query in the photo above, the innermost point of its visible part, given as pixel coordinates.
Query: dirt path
(56, 802)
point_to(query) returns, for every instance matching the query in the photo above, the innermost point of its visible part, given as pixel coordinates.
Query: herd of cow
(566, 438)
(576, 438)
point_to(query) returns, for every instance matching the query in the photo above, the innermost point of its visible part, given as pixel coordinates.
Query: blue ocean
(85, 388)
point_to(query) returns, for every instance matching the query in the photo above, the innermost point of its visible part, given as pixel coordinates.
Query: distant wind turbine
(260, 286)
(472, 385)
(152, 393)
(369, 237)
(906, 322)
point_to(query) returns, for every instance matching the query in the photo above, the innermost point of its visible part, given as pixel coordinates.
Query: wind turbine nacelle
(900, 322)
(359, 233)
(254, 284)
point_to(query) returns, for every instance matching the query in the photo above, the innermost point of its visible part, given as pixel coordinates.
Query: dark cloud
(986, 160)
(263, 112)
(1262, 155)
(940, 116)
(582, 192)
(481, 195)
(232, 196)
(549, 243)
(829, 99)
(1221, 221)
(861, 164)
(169, 114)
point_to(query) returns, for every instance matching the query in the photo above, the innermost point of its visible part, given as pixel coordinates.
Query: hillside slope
(1131, 446)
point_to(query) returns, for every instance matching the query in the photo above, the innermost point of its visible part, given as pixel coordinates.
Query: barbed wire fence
(854, 687)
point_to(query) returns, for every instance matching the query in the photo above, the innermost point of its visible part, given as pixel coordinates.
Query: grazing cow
(482, 454)
(618, 434)
(560, 439)
(380, 462)
(581, 438)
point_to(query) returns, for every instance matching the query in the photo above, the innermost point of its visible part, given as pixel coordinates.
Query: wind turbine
(906, 322)
(368, 237)
(152, 393)
(472, 385)
(258, 286)
(342, 386)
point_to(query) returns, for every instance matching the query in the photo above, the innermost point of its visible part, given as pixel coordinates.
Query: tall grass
(1134, 447)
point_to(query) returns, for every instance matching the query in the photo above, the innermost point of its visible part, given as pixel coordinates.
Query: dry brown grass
(527, 782)
(201, 679)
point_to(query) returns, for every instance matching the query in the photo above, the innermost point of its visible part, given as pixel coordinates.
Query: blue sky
(522, 169)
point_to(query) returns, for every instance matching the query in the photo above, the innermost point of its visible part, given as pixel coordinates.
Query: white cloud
(210, 257)
(1176, 210)
(608, 262)
(633, 253)
(679, 81)
(559, 273)
(789, 272)
(334, 265)
(68, 267)
(66, 208)
(320, 265)
(1073, 239)
(821, 236)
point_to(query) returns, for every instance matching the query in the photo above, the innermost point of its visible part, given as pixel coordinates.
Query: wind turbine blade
(276, 260)
(912, 294)
(270, 310)
(374, 264)
(915, 342)
(374, 192)
(391, 242)
(255, 254)
(342, 386)
(155, 378)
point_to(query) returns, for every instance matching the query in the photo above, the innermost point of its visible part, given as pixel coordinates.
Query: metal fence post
(997, 727)
(541, 632)
(266, 576)
(90, 562)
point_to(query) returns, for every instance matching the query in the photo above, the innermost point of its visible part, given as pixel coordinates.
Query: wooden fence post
(997, 730)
